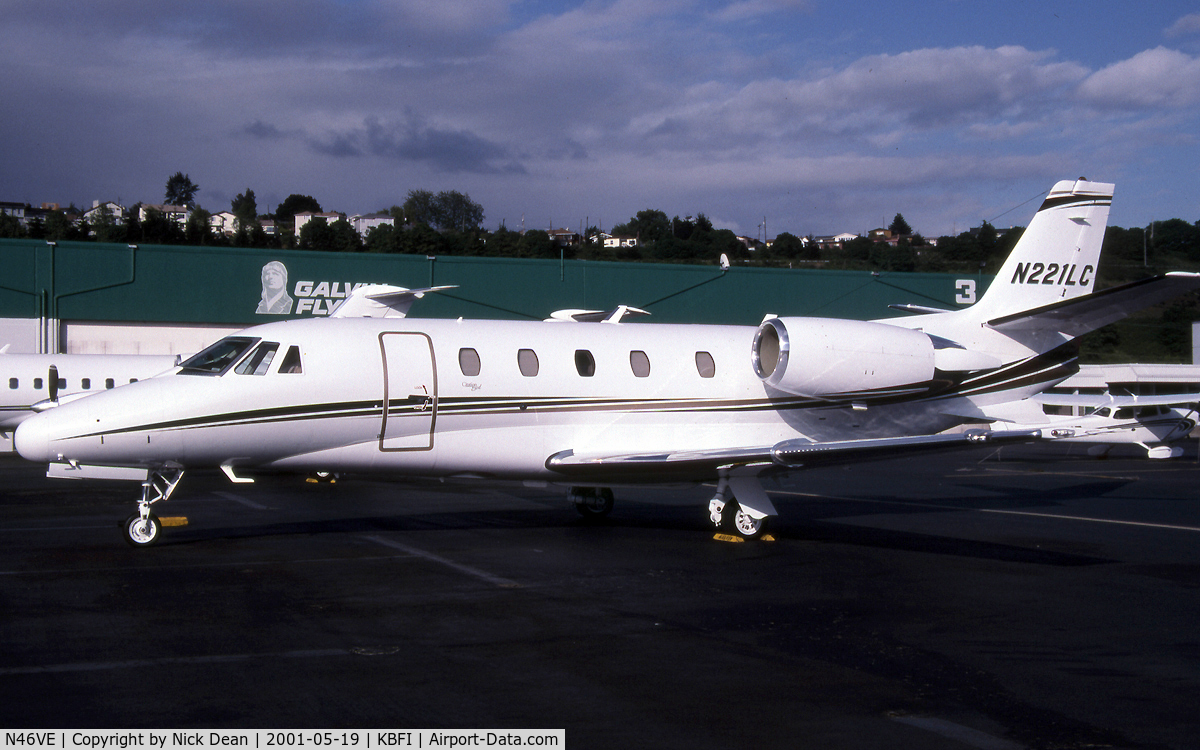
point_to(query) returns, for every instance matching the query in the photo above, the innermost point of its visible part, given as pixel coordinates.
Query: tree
(419, 208)
(181, 191)
(536, 244)
(199, 227)
(648, 226)
(245, 209)
(455, 210)
(899, 226)
(10, 226)
(788, 245)
(105, 226)
(295, 204)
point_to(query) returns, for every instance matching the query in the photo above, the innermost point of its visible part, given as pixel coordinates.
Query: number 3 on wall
(966, 291)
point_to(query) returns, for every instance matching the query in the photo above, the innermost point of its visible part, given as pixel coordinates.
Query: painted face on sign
(275, 299)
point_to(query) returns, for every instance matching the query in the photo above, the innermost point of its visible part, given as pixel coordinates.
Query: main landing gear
(748, 517)
(143, 529)
(592, 502)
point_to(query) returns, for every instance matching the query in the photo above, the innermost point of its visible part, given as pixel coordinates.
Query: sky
(816, 116)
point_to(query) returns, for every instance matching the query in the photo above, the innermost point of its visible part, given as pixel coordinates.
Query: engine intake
(831, 358)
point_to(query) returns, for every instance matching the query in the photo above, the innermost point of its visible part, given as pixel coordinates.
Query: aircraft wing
(1077, 316)
(686, 465)
(1097, 401)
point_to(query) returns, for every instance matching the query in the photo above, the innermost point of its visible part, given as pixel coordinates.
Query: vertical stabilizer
(1057, 256)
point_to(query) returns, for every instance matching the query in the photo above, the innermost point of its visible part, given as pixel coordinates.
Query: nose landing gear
(143, 529)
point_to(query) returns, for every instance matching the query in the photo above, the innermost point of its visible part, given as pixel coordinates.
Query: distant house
(268, 227)
(620, 241)
(116, 212)
(835, 241)
(178, 214)
(304, 217)
(889, 237)
(565, 237)
(15, 210)
(363, 224)
(224, 222)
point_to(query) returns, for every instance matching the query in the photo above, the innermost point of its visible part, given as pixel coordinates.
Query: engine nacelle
(827, 357)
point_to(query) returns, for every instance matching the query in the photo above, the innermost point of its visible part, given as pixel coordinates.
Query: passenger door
(409, 392)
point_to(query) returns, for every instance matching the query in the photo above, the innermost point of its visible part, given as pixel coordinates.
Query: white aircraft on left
(33, 383)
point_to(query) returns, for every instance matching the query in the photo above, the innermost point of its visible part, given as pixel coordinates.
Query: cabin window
(1057, 410)
(640, 364)
(528, 362)
(1104, 412)
(37, 384)
(62, 383)
(291, 362)
(109, 383)
(13, 383)
(468, 361)
(218, 358)
(1125, 413)
(259, 360)
(86, 384)
(585, 363)
(133, 380)
(705, 365)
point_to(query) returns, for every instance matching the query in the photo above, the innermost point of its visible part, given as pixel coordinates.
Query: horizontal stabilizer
(919, 309)
(382, 301)
(1080, 315)
(615, 315)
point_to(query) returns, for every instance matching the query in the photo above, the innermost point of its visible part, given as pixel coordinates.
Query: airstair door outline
(409, 410)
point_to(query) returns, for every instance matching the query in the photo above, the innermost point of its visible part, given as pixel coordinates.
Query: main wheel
(747, 525)
(594, 502)
(139, 533)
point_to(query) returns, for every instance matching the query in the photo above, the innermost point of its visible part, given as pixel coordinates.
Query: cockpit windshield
(219, 357)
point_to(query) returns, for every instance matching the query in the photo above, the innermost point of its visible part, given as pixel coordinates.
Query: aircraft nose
(32, 439)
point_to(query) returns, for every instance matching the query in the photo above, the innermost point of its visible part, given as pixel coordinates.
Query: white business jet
(592, 406)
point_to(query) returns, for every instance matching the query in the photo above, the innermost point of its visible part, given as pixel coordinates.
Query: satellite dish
(724, 262)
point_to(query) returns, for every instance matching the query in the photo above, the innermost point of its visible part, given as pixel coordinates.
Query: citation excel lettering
(1052, 274)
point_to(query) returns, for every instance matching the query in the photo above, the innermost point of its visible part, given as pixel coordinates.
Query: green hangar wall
(49, 291)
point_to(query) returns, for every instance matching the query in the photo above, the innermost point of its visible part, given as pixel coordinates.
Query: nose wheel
(142, 532)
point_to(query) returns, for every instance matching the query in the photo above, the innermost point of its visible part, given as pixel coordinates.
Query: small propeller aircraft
(596, 405)
(1155, 423)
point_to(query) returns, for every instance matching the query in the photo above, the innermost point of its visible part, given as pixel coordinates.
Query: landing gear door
(409, 392)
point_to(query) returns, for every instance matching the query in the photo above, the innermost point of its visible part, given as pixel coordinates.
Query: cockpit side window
(219, 357)
(291, 364)
(259, 360)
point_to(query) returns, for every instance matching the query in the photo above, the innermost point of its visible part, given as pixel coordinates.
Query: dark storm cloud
(448, 150)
